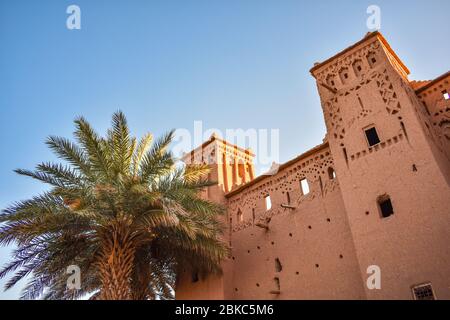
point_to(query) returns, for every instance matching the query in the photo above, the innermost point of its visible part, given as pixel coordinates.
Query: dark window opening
(195, 277)
(278, 266)
(288, 198)
(277, 283)
(372, 136)
(423, 292)
(385, 204)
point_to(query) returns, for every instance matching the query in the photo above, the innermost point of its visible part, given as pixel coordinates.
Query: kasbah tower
(374, 193)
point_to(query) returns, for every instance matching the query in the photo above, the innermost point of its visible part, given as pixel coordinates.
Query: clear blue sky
(231, 64)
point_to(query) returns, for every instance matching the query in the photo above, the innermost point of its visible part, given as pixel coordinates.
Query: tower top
(369, 38)
(209, 151)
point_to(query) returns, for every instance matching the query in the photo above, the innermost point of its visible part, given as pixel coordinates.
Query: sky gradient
(230, 64)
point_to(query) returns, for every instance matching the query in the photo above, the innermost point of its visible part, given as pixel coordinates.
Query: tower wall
(410, 246)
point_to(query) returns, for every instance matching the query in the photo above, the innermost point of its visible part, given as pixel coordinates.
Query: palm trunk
(141, 277)
(115, 262)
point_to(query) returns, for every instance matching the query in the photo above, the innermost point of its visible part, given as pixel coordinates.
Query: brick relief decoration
(313, 169)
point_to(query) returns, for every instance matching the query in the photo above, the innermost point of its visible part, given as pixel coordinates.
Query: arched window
(331, 173)
(240, 216)
(268, 202)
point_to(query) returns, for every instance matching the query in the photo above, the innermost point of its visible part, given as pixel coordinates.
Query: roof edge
(433, 82)
(368, 36)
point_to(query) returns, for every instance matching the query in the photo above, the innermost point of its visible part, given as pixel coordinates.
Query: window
(446, 95)
(288, 198)
(195, 277)
(278, 266)
(385, 204)
(240, 216)
(331, 173)
(304, 186)
(268, 202)
(423, 292)
(372, 136)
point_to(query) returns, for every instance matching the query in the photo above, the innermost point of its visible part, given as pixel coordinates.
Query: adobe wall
(313, 242)
(231, 167)
(325, 240)
(411, 246)
(437, 109)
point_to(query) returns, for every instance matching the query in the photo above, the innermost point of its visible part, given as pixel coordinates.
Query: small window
(268, 202)
(331, 173)
(278, 266)
(304, 186)
(253, 215)
(288, 198)
(372, 136)
(240, 216)
(446, 95)
(423, 292)
(385, 204)
(195, 277)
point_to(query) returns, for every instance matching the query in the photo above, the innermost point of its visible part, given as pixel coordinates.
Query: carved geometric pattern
(284, 181)
(387, 93)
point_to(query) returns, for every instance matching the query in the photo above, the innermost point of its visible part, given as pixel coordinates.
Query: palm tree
(123, 211)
